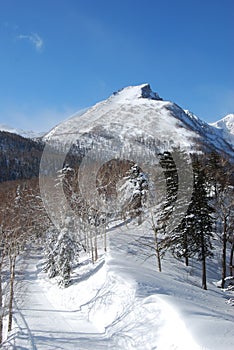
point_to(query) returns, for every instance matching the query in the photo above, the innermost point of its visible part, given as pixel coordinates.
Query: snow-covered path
(124, 304)
(41, 326)
(136, 324)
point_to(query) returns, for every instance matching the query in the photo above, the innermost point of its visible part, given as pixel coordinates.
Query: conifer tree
(178, 203)
(134, 192)
(202, 219)
(51, 252)
(181, 240)
(66, 250)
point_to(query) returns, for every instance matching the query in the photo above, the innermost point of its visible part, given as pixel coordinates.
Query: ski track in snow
(122, 305)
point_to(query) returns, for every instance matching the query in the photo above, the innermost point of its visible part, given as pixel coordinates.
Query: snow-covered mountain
(23, 133)
(135, 115)
(131, 118)
(226, 128)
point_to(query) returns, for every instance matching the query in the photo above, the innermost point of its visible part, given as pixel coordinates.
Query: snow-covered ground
(122, 302)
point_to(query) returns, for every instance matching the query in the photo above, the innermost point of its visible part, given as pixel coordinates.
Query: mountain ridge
(139, 106)
(130, 117)
(226, 127)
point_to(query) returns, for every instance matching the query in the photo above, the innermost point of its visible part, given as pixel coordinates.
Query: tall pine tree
(202, 219)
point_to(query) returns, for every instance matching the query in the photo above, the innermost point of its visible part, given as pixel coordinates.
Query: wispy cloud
(35, 39)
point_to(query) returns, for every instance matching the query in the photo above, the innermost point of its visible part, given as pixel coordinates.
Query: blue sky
(59, 56)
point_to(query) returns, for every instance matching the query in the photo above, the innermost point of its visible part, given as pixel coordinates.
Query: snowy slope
(135, 113)
(122, 302)
(125, 116)
(226, 128)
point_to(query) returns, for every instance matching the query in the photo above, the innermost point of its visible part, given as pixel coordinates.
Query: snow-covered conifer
(134, 191)
(202, 219)
(51, 252)
(66, 250)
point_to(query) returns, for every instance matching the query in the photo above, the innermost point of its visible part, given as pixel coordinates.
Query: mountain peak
(226, 123)
(146, 92)
(226, 128)
(136, 92)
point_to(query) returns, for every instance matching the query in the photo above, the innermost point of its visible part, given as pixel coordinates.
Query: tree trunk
(1, 307)
(186, 250)
(12, 279)
(1, 297)
(91, 246)
(231, 259)
(95, 245)
(224, 257)
(157, 249)
(158, 258)
(86, 242)
(186, 260)
(105, 242)
(204, 285)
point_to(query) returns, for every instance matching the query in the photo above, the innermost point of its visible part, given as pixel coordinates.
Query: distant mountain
(19, 157)
(226, 128)
(23, 133)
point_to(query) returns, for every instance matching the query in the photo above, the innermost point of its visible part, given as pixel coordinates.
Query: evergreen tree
(214, 171)
(66, 252)
(181, 240)
(193, 236)
(67, 249)
(202, 219)
(62, 249)
(134, 192)
(51, 252)
(177, 239)
(163, 207)
(171, 177)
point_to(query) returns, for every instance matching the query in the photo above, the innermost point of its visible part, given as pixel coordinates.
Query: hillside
(19, 157)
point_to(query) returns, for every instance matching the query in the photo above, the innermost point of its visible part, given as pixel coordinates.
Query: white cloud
(35, 39)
